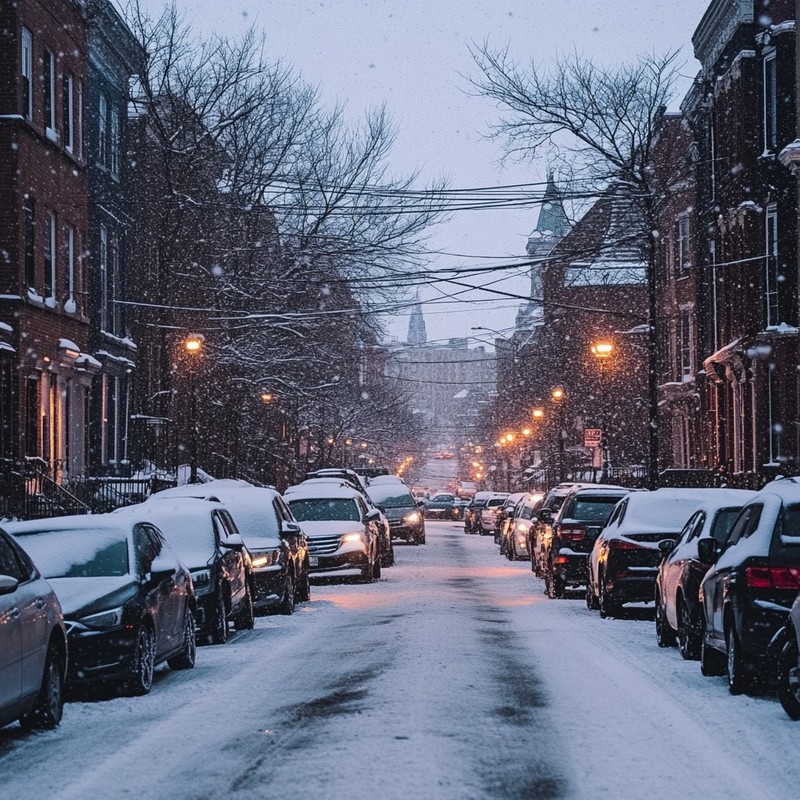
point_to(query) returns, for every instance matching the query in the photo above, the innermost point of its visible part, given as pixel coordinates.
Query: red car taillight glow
(623, 544)
(571, 533)
(773, 578)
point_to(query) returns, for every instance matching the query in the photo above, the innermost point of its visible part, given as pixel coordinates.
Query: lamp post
(558, 394)
(193, 346)
(603, 351)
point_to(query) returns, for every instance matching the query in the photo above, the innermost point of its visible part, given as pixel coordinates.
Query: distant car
(440, 505)
(542, 522)
(276, 542)
(753, 581)
(128, 601)
(33, 643)
(567, 542)
(206, 539)
(343, 531)
(623, 564)
(514, 535)
(681, 571)
(506, 512)
(472, 513)
(403, 512)
(459, 508)
(490, 512)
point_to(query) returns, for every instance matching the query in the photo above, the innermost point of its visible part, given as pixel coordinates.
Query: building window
(49, 89)
(32, 417)
(26, 68)
(684, 254)
(69, 241)
(773, 278)
(103, 278)
(112, 287)
(68, 111)
(114, 141)
(685, 348)
(50, 256)
(770, 102)
(79, 128)
(30, 240)
(102, 132)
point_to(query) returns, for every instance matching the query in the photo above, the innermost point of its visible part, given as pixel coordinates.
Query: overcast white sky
(413, 54)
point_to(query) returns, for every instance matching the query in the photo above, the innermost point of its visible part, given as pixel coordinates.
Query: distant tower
(550, 229)
(416, 325)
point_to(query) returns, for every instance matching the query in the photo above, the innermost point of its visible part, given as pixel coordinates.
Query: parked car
(276, 542)
(33, 643)
(784, 652)
(542, 522)
(506, 513)
(128, 601)
(402, 511)
(681, 571)
(754, 579)
(490, 511)
(440, 505)
(624, 561)
(567, 542)
(514, 534)
(342, 529)
(357, 481)
(459, 508)
(206, 539)
(472, 513)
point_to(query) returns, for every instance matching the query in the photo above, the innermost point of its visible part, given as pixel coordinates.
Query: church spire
(553, 222)
(416, 324)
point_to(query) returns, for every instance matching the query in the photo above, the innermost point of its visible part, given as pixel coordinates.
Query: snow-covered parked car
(33, 643)
(624, 560)
(403, 512)
(342, 530)
(754, 578)
(681, 571)
(206, 539)
(128, 601)
(490, 513)
(277, 544)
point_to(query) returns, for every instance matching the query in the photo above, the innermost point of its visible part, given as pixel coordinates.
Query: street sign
(592, 437)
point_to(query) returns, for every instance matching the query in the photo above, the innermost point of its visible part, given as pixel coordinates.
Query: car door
(174, 589)
(674, 564)
(154, 596)
(232, 559)
(10, 637)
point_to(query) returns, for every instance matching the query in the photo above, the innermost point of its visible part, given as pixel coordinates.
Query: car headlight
(523, 527)
(411, 518)
(352, 537)
(201, 578)
(105, 619)
(264, 558)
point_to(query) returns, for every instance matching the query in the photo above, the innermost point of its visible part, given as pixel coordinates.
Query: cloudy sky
(413, 54)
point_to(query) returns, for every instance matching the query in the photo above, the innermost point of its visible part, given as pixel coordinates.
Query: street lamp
(602, 350)
(193, 345)
(558, 394)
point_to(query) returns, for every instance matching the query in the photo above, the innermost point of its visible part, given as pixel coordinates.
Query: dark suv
(746, 595)
(472, 513)
(567, 542)
(401, 509)
(542, 522)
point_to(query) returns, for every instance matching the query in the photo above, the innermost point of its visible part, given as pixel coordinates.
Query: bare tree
(604, 122)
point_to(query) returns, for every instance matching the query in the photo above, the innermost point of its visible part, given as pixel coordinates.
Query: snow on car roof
(320, 490)
(786, 489)
(661, 510)
(71, 522)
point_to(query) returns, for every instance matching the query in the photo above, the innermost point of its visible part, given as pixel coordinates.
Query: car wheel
(376, 570)
(368, 570)
(789, 678)
(511, 554)
(739, 676)
(245, 619)
(558, 586)
(186, 658)
(712, 662)
(591, 600)
(143, 664)
(609, 605)
(49, 708)
(287, 601)
(665, 636)
(688, 637)
(387, 559)
(219, 634)
(304, 588)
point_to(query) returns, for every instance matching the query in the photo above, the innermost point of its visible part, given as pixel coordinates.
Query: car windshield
(723, 523)
(317, 509)
(443, 498)
(790, 520)
(495, 501)
(391, 496)
(78, 553)
(593, 509)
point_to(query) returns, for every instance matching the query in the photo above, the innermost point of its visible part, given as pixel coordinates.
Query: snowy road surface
(452, 677)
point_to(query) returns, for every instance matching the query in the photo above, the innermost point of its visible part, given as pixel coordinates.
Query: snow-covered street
(452, 677)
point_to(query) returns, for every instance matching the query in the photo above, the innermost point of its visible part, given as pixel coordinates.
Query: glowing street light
(602, 349)
(193, 343)
(537, 414)
(558, 393)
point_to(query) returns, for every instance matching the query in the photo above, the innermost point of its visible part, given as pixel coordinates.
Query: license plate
(313, 561)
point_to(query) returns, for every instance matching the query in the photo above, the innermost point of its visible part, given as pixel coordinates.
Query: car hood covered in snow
(337, 527)
(80, 597)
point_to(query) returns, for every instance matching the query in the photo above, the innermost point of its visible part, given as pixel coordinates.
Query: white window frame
(79, 126)
(102, 131)
(50, 89)
(69, 111)
(683, 262)
(771, 282)
(686, 367)
(26, 70)
(770, 85)
(114, 143)
(103, 268)
(51, 246)
(70, 253)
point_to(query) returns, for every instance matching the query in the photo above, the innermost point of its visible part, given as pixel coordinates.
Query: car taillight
(623, 544)
(773, 578)
(571, 533)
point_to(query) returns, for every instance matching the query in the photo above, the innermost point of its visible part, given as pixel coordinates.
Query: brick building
(43, 236)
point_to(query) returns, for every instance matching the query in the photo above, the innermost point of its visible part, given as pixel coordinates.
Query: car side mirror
(544, 515)
(234, 542)
(666, 546)
(8, 584)
(420, 504)
(373, 515)
(162, 567)
(708, 550)
(290, 529)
